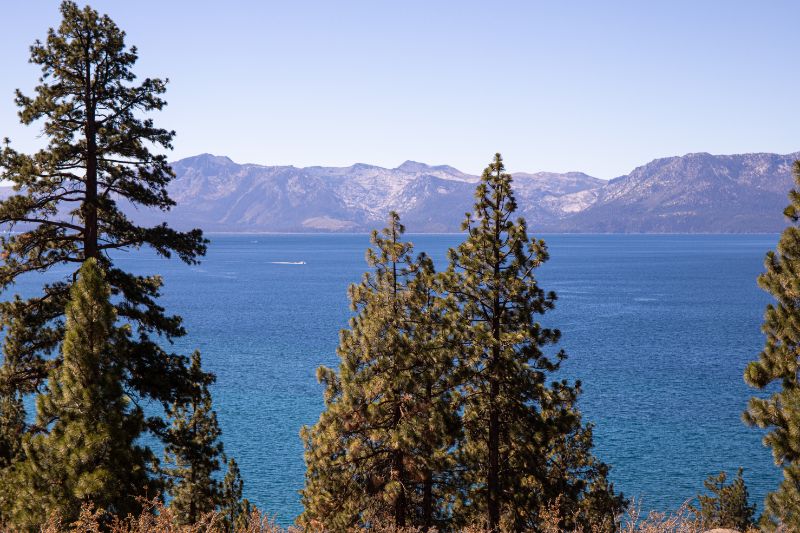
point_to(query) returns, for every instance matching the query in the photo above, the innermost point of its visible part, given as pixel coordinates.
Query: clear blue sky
(560, 85)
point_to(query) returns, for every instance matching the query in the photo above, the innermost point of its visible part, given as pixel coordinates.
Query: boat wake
(287, 262)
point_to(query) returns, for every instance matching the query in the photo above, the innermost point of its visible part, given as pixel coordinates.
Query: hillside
(695, 193)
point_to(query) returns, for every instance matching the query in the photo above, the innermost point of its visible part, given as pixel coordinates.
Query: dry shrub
(680, 521)
(155, 518)
(158, 518)
(684, 520)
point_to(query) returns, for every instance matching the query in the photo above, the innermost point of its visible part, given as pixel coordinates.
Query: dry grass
(680, 521)
(157, 518)
(683, 520)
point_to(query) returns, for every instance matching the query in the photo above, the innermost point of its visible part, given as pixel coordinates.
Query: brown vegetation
(157, 517)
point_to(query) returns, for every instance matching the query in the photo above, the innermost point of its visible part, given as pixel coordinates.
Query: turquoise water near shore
(657, 327)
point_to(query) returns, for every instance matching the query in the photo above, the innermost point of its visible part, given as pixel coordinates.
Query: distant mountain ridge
(695, 193)
(217, 194)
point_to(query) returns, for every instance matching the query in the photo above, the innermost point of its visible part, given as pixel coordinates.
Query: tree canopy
(66, 209)
(381, 451)
(525, 446)
(441, 413)
(84, 447)
(778, 364)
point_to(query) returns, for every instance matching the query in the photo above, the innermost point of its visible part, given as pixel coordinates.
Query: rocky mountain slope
(217, 194)
(693, 193)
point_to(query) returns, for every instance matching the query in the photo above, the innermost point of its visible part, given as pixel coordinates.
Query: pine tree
(381, 450)
(525, 445)
(89, 451)
(778, 364)
(193, 450)
(235, 510)
(67, 207)
(728, 505)
(12, 390)
(12, 427)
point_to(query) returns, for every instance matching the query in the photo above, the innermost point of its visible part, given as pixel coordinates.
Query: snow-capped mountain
(693, 193)
(217, 194)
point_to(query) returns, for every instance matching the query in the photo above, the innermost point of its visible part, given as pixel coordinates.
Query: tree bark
(398, 475)
(427, 487)
(493, 475)
(493, 444)
(89, 206)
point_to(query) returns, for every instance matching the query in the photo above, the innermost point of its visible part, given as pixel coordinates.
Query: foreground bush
(156, 517)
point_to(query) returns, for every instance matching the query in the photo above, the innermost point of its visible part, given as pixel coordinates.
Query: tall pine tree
(525, 445)
(381, 450)
(86, 449)
(193, 450)
(66, 210)
(12, 392)
(194, 454)
(235, 509)
(778, 364)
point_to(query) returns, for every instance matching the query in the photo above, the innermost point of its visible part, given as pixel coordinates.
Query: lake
(659, 329)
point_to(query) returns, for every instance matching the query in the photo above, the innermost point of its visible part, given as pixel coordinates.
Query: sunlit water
(658, 328)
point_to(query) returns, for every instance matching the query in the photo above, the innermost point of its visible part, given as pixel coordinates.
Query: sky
(599, 87)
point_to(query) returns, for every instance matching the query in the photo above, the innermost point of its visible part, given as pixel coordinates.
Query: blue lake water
(659, 328)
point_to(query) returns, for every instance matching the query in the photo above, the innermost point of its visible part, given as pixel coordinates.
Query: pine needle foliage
(236, 512)
(777, 366)
(194, 455)
(524, 442)
(12, 410)
(193, 450)
(85, 449)
(505, 446)
(381, 450)
(726, 505)
(93, 115)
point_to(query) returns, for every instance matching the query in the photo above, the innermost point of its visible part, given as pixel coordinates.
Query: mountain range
(695, 193)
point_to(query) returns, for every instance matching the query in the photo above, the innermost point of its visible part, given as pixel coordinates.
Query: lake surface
(658, 327)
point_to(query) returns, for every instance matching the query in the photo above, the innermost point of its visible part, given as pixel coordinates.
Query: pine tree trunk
(427, 501)
(493, 475)
(89, 206)
(192, 504)
(493, 478)
(397, 461)
(398, 475)
(427, 487)
(192, 481)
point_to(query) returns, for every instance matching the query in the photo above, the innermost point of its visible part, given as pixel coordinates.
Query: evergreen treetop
(193, 449)
(525, 445)
(236, 511)
(441, 413)
(727, 505)
(381, 449)
(778, 364)
(67, 209)
(84, 450)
